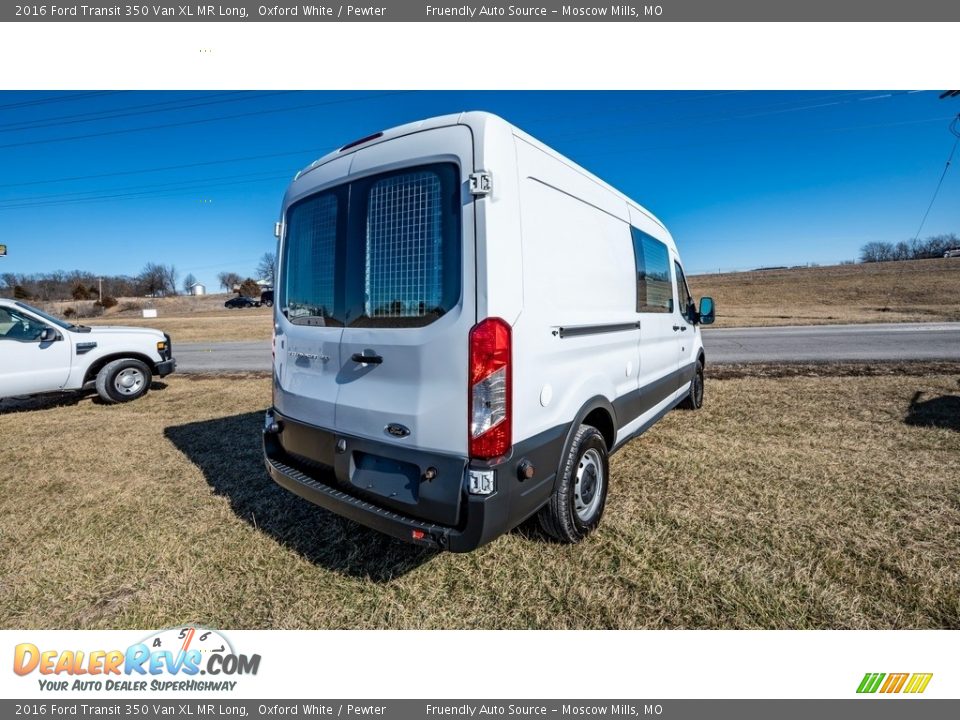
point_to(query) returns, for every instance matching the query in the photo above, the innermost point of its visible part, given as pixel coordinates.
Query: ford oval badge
(397, 430)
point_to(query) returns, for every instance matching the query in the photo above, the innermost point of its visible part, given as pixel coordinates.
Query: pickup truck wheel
(694, 399)
(576, 505)
(123, 380)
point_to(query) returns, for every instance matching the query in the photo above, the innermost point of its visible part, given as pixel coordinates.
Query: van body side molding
(580, 330)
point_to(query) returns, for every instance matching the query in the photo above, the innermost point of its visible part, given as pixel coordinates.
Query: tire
(694, 399)
(123, 380)
(576, 505)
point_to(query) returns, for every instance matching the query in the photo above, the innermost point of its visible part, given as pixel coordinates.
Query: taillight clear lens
(490, 401)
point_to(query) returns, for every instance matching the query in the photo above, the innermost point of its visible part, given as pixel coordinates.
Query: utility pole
(100, 291)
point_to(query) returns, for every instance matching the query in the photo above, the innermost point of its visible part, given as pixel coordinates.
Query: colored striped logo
(894, 682)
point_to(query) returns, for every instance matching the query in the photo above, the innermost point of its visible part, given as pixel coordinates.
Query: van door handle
(366, 359)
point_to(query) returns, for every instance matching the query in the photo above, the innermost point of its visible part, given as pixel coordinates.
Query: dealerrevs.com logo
(171, 659)
(910, 683)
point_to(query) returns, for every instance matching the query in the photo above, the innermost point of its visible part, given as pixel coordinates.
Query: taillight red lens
(490, 404)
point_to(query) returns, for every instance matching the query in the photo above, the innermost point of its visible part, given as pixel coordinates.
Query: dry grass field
(187, 319)
(908, 291)
(811, 501)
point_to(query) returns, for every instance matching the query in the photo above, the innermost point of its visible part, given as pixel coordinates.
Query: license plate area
(392, 479)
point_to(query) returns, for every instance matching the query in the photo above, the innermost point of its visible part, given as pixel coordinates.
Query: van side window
(654, 288)
(309, 261)
(685, 299)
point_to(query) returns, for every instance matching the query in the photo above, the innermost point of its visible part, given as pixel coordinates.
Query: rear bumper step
(479, 519)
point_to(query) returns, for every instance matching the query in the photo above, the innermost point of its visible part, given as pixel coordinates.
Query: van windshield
(381, 251)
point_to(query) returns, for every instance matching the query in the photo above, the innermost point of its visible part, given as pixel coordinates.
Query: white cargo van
(467, 325)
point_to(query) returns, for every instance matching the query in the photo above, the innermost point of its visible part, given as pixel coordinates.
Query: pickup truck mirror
(48, 334)
(706, 311)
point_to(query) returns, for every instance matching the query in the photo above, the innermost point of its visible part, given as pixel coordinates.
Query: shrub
(131, 306)
(249, 288)
(69, 312)
(106, 302)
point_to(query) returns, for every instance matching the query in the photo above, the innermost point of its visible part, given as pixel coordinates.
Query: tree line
(933, 247)
(154, 280)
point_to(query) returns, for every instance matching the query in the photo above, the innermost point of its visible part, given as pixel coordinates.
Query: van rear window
(309, 261)
(654, 288)
(392, 260)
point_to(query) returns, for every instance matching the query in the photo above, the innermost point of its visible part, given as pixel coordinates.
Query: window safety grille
(404, 258)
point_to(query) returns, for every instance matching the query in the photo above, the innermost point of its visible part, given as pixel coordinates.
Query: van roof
(481, 123)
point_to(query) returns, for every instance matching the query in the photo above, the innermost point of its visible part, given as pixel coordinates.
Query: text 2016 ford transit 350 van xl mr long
(467, 325)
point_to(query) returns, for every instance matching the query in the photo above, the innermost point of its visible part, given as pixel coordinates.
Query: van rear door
(403, 372)
(377, 298)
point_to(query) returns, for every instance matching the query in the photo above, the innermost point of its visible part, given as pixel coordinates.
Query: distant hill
(903, 291)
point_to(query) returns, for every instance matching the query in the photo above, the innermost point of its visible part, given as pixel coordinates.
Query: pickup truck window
(19, 327)
(46, 316)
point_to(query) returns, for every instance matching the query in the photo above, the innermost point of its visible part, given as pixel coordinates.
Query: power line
(721, 116)
(936, 191)
(151, 108)
(56, 99)
(169, 192)
(17, 201)
(199, 121)
(943, 175)
(163, 168)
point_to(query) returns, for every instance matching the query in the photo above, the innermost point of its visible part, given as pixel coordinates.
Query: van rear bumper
(482, 518)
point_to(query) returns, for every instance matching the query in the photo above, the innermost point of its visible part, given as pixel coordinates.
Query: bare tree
(876, 252)
(156, 279)
(266, 268)
(229, 280)
(188, 282)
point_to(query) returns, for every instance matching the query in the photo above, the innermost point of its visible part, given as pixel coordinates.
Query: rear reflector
(417, 534)
(490, 412)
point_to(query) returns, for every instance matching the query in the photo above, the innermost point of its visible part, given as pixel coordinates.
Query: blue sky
(742, 179)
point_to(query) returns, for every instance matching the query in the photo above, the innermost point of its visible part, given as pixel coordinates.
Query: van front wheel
(576, 505)
(694, 399)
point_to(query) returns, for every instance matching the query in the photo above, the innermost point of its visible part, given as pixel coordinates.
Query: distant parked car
(952, 252)
(241, 301)
(266, 298)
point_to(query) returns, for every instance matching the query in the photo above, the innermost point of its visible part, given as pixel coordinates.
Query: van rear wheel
(576, 505)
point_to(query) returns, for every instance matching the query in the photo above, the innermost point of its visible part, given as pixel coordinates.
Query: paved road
(818, 343)
(812, 343)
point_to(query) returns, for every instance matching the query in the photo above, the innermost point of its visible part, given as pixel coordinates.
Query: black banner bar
(214, 708)
(451, 11)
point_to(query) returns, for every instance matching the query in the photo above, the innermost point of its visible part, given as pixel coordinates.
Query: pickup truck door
(28, 365)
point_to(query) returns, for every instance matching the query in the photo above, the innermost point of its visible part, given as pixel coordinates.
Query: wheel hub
(128, 381)
(588, 486)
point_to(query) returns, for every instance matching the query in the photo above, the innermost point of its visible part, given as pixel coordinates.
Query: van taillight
(490, 412)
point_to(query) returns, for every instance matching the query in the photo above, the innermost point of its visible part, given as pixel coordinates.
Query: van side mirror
(48, 334)
(706, 311)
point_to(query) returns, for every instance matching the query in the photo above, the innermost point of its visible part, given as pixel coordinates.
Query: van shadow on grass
(228, 452)
(942, 412)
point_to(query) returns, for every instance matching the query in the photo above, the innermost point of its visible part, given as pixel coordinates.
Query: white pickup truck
(40, 353)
